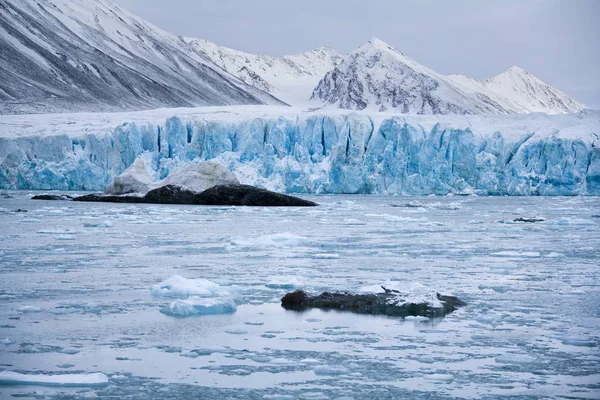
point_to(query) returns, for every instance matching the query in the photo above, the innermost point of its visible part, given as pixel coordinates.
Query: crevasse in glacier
(312, 153)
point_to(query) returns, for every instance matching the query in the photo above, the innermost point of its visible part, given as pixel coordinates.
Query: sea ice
(285, 282)
(75, 380)
(284, 239)
(179, 287)
(194, 306)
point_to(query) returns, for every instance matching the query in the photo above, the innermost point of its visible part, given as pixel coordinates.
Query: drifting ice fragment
(179, 287)
(195, 305)
(76, 380)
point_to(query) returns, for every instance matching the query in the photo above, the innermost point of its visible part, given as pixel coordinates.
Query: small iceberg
(195, 306)
(179, 287)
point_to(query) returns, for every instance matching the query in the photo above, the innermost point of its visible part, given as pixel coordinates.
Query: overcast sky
(558, 41)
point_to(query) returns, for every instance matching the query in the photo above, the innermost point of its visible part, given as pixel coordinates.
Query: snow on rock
(74, 380)
(77, 55)
(293, 151)
(289, 78)
(411, 293)
(525, 93)
(179, 287)
(194, 306)
(378, 77)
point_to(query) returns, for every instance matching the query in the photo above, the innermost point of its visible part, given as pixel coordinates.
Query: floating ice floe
(326, 256)
(75, 380)
(179, 287)
(29, 309)
(194, 306)
(284, 282)
(330, 370)
(284, 239)
(194, 297)
(513, 358)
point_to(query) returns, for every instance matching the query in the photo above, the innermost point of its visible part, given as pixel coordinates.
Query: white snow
(289, 78)
(410, 293)
(378, 77)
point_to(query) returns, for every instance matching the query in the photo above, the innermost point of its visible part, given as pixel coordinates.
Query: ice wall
(315, 154)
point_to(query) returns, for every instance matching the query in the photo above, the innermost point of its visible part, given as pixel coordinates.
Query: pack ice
(323, 151)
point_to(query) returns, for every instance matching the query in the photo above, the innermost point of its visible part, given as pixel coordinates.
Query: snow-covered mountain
(529, 94)
(58, 55)
(377, 76)
(289, 78)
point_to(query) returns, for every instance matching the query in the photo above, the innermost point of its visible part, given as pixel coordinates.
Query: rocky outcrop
(52, 197)
(246, 195)
(228, 195)
(389, 303)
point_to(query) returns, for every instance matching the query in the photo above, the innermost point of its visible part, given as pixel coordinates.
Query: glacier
(320, 151)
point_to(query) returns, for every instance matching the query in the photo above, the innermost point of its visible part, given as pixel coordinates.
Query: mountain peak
(516, 70)
(378, 43)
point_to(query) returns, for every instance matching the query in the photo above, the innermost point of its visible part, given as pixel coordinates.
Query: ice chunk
(199, 177)
(284, 282)
(513, 358)
(179, 287)
(135, 179)
(330, 370)
(75, 380)
(440, 377)
(29, 309)
(194, 176)
(195, 306)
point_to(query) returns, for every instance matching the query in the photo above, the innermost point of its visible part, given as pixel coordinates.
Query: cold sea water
(162, 301)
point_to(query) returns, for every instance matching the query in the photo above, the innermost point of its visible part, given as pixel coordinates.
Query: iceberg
(179, 287)
(196, 177)
(194, 306)
(296, 151)
(193, 297)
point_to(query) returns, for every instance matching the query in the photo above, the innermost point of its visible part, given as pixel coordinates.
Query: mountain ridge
(379, 77)
(92, 55)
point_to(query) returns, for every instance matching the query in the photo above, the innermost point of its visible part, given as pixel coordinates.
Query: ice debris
(194, 297)
(74, 380)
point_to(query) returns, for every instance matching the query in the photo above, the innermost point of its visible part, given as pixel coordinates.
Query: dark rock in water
(246, 195)
(171, 194)
(389, 303)
(530, 219)
(20, 210)
(102, 198)
(5, 196)
(52, 197)
(221, 195)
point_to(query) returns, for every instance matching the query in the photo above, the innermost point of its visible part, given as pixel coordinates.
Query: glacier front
(321, 151)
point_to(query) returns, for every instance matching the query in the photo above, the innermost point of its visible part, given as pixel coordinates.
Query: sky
(556, 40)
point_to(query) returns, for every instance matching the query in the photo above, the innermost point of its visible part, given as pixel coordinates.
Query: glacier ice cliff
(325, 152)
